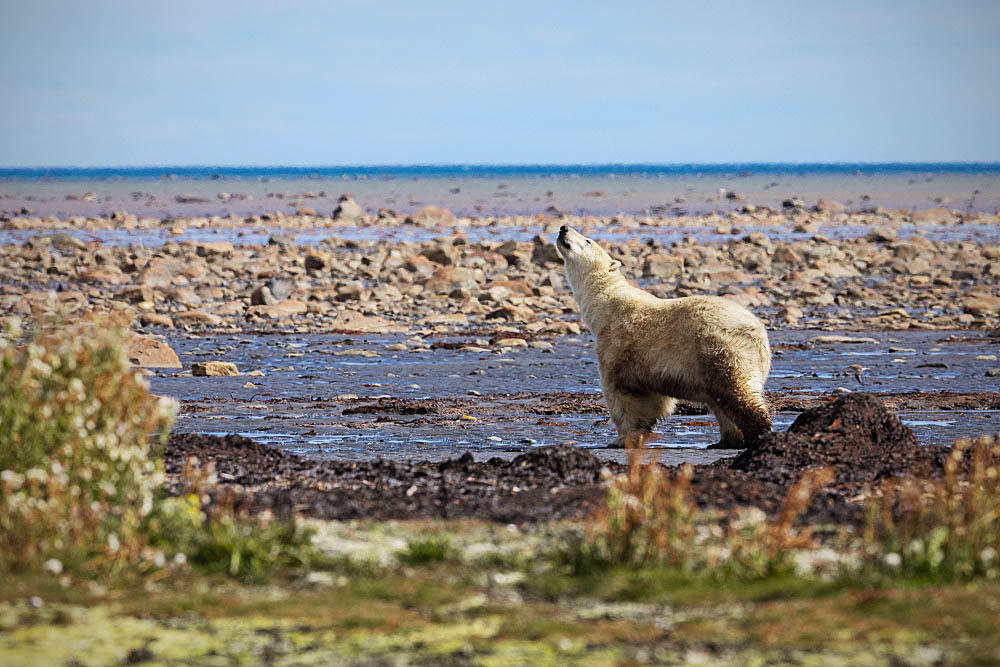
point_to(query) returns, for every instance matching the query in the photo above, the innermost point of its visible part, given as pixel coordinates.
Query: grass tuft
(425, 550)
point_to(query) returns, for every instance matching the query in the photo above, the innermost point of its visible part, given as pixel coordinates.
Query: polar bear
(652, 351)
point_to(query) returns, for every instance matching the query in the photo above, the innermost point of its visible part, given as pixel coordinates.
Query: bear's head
(588, 266)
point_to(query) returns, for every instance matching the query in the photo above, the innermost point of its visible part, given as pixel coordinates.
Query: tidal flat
(420, 387)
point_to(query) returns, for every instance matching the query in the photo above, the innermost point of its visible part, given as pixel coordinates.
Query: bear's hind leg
(635, 415)
(748, 410)
(730, 435)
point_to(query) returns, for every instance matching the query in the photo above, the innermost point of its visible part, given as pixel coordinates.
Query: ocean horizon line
(492, 169)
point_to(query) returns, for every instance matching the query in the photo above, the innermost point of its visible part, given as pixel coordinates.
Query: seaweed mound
(855, 435)
(237, 460)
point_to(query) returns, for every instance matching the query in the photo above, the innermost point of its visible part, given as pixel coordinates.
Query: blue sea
(600, 189)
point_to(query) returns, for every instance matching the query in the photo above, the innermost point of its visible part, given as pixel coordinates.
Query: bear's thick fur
(652, 351)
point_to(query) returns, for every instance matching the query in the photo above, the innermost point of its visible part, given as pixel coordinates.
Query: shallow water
(500, 404)
(704, 234)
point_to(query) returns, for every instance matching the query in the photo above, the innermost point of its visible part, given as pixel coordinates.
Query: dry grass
(650, 520)
(942, 529)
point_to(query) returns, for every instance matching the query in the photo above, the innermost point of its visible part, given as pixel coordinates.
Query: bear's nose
(563, 229)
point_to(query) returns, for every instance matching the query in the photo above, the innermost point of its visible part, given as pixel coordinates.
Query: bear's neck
(600, 295)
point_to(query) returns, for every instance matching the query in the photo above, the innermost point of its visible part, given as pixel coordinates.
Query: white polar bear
(652, 351)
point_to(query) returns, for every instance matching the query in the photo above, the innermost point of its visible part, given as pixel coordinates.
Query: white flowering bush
(77, 477)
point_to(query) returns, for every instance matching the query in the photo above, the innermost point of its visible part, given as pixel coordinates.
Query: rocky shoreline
(790, 275)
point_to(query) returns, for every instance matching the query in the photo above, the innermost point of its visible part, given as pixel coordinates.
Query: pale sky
(364, 83)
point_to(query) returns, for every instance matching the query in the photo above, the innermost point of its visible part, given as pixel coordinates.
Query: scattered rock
(262, 297)
(156, 320)
(431, 214)
(214, 369)
(351, 320)
(212, 248)
(147, 352)
(347, 209)
(981, 305)
(194, 317)
(278, 310)
(842, 340)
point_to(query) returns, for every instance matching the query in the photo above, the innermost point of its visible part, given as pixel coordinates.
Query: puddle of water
(308, 415)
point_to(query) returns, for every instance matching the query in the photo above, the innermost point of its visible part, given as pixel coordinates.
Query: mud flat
(856, 436)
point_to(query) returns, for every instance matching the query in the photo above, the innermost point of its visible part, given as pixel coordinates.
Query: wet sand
(582, 193)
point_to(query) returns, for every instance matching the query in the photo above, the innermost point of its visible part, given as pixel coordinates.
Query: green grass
(451, 612)
(423, 550)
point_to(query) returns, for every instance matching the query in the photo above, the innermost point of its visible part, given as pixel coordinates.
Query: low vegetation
(940, 529)
(81, 502)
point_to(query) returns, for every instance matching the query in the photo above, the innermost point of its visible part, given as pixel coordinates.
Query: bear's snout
(562, 236)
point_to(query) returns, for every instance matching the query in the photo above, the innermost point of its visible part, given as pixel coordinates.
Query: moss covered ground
(475, 593)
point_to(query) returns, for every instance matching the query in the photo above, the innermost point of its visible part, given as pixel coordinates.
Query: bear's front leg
(634, 415)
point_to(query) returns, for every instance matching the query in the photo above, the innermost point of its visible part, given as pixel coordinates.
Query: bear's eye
(589, 241)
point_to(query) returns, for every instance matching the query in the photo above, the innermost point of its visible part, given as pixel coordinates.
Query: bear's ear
(614, 266)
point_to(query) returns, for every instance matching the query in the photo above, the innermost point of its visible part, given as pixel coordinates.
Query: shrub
(76, 476)
(79, 477)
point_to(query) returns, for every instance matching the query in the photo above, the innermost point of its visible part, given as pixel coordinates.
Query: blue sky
(322, 83)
